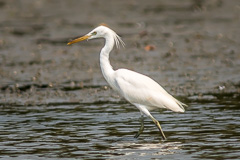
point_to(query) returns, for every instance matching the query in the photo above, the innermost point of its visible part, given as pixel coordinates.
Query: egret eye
(94, 33)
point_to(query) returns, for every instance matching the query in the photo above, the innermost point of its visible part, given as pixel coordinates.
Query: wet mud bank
(195, 48)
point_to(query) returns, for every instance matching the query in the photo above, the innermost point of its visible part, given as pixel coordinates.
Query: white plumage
(151, 94)
(136, 88)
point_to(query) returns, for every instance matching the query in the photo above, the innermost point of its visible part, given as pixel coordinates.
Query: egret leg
(144, 110)
(141, 128)
(159, 127)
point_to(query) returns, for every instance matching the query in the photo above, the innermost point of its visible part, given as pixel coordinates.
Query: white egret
(136, 88)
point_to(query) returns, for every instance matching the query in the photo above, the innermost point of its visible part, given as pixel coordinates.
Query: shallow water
(209, 129)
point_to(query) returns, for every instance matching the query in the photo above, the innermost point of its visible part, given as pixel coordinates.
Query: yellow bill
(78, 39)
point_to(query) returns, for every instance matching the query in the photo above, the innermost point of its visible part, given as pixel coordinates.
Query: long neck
(106, 67)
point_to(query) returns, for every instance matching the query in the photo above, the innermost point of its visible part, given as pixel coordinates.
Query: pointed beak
(78, 39)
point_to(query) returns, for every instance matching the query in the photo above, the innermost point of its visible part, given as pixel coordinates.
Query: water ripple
(105, 131)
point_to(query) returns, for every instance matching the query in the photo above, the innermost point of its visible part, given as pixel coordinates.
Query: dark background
(196, 47)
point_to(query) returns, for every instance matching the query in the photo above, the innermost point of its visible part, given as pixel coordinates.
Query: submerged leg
(159, 127)
(141, 128)
(144, 110)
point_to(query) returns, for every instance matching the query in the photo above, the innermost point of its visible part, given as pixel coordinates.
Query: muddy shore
(195, 48)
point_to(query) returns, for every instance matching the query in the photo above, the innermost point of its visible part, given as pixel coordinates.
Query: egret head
(99, 32)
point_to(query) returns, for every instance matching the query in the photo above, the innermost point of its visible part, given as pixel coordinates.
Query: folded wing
(140, 89)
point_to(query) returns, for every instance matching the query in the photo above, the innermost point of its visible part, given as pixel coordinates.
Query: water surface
(209, 129)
